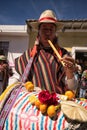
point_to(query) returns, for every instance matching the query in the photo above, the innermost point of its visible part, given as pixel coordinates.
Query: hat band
(47, 18)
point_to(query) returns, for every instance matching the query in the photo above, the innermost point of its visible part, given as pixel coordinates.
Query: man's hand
(69, 66)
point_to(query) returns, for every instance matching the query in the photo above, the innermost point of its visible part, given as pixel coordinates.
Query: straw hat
(48, 16)
(2, 57)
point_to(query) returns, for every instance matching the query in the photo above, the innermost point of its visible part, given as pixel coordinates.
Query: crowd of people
(81, 75)
(83, 85)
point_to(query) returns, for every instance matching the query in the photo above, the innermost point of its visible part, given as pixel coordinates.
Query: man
(46, 70)
(5, 73)
(83, 85)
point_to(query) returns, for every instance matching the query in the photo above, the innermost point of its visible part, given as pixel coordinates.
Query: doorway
(81, 57)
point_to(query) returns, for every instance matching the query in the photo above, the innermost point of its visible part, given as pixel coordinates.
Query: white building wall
(17, 45)
(18, 40)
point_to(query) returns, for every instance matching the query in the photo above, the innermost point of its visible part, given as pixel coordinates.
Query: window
(4, 45)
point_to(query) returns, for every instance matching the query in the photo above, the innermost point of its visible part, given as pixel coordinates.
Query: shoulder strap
(27, 70)
(29, 64)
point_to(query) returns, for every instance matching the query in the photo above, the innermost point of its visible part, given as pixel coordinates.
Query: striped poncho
(46, 71)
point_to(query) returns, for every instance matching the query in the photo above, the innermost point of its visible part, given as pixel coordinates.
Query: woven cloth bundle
(74, 111)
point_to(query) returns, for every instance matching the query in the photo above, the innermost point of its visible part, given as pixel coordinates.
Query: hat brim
(35, 24)
(2, 58)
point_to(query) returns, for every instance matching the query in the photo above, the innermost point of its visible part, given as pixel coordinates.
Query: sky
(16, 12)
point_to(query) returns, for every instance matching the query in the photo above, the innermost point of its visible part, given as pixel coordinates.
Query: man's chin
(46, 44)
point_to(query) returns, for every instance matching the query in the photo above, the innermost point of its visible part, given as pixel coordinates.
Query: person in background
(46, 70)
(79, 69)
(5, 73)
(78, 74)
(83, 86)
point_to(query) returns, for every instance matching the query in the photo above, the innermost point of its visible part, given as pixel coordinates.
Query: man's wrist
(70, 75)
(71, 82)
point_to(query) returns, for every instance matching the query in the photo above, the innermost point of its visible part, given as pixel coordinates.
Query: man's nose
(48, 31)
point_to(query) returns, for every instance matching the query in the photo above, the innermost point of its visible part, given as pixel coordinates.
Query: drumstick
(56, 52)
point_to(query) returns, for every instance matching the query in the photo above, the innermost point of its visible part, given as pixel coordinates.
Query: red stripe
(86, 107)
(37, 124)
(37, 76)
(20, 124)
(54, 125)
(63, 123)
(18, 66)
(47, 18)
(81, 103)
(20, 100)
(23, 64)
(46, 122)
(25, 105)
(11, 122)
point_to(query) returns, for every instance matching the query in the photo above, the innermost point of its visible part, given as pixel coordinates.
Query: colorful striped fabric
(24, 116)
(46, 71)
(21, 62)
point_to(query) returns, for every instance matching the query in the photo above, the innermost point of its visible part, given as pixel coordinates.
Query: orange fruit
(38, 103)
(70, 94)
(29, 86)
(51, 111)
(32, 99)
(43, 108)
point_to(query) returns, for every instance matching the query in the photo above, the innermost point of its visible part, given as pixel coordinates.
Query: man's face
(47, 32)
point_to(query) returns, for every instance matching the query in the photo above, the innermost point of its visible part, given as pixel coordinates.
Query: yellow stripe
(27, 55)
(2, 96)
(19, 68)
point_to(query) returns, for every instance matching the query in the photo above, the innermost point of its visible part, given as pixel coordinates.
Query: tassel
(34, 50)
